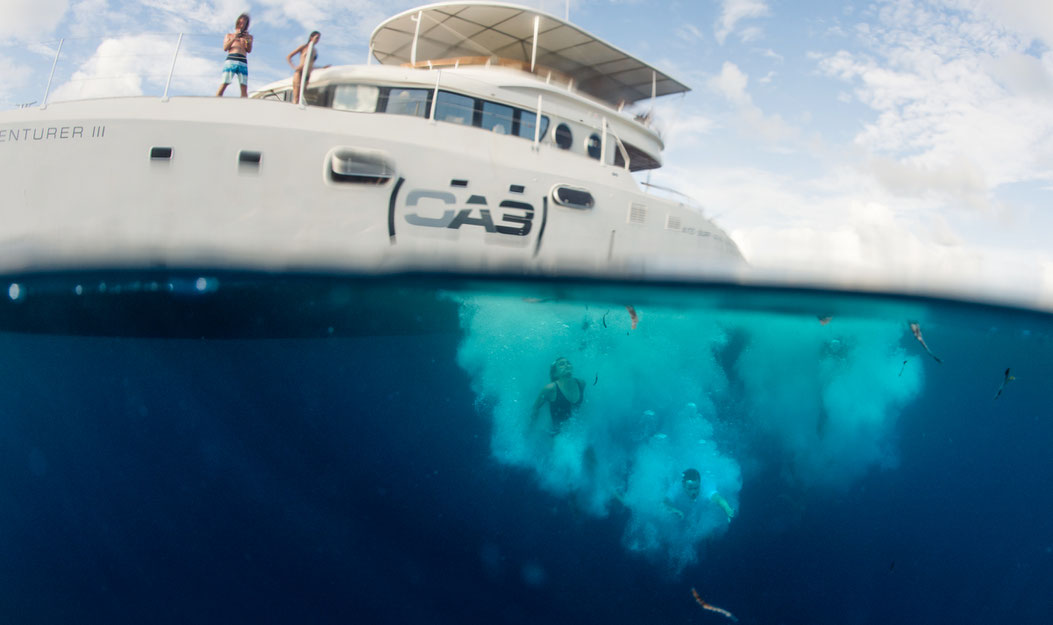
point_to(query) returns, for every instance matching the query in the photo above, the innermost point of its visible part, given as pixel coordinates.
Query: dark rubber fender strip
(544, 219)
(391, 209)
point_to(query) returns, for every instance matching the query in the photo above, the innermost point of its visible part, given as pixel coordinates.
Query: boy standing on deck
(237, 45)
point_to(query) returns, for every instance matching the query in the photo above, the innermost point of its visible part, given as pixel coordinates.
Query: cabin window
(317, 97)
(455, 108)
(564, 138)
(498, 118)
(593, 146)
(357, 98)
(399, 101)
(527, 121)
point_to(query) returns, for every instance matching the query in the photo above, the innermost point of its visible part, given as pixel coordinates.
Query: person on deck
(684, 494)
(305, 64)
(563, 394)
(237, 45)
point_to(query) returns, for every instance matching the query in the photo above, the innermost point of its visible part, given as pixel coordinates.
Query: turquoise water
(233, 447)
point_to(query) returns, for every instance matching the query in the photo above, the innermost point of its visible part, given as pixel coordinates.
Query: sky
(889, 141)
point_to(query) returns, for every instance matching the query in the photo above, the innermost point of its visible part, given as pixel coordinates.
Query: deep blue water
(254, 449)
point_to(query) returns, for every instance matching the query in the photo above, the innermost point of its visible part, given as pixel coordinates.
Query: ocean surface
(235, 448)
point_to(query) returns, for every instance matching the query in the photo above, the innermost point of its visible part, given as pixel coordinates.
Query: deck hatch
(573, 197)
(160, 154)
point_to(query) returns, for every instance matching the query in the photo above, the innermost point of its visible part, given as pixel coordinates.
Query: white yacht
(489, 137)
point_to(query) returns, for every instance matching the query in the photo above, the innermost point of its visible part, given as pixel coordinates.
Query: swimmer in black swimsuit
(564, 394)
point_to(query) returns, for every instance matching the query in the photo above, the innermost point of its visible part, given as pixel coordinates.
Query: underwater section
(667, 389)
(229, 447)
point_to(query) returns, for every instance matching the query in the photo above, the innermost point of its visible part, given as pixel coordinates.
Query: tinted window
(399, 101)
(593, 145)
(318, 97)
(526, 124)
(498, 118)
(455, 108)
(564, 138)
(359, 98)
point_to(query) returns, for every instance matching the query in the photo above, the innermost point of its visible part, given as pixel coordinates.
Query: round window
(592, 146)
(563, 136)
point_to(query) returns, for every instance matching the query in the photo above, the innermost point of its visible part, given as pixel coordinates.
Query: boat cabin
(502, 68)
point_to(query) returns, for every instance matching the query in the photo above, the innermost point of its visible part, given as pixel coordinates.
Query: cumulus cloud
(734, 11)
(118, 68)
(28, 20)
(13, 75)
(732, 84)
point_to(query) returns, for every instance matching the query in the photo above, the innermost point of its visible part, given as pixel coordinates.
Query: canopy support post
(416, 35)
(533, 50)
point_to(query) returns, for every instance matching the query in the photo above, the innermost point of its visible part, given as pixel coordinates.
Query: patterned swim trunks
(236, 66)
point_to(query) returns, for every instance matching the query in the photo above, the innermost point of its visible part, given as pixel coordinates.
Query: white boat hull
(248, 184)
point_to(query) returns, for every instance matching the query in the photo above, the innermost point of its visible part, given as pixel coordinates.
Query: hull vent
(637, 213)
(672, 222)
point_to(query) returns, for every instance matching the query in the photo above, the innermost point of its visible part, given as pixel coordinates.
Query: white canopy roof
(460, 29)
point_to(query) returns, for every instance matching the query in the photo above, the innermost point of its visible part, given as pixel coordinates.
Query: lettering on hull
(433, 208)
(50, 133)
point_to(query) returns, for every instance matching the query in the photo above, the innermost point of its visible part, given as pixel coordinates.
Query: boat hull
(261, 185)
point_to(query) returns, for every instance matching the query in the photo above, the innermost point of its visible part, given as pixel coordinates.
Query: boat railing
(149, 63)
(670, 193)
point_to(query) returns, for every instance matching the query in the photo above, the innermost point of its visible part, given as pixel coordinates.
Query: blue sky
(886, 140)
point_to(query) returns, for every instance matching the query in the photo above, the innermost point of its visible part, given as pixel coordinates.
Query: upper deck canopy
(506, 31)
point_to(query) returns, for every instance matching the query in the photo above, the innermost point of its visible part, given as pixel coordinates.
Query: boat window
(527, 121)
(399, 101)
(455, 108)
(593, 145)
(358, 98)
(498, 118)
(564, 138)
(318, 97)
(573, 197)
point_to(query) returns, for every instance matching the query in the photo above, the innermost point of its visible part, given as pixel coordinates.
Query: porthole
(359, 166)
(563, 136)
(573, 197)
(592, 146)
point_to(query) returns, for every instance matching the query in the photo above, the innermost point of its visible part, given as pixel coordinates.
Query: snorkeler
(563, 394)
(1005, 380)
(684, 494)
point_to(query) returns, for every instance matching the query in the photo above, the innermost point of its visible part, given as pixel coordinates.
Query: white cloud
(13, 75)
(731, 83)
(960, 103)
(733, 12)
(29, 20)
(689, 33)
(1031, 17)
(118, 68)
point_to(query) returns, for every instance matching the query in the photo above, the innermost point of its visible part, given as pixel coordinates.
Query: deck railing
(153, 64)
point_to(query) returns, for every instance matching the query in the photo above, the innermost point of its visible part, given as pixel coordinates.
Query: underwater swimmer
(563, 394)
(683, 496)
